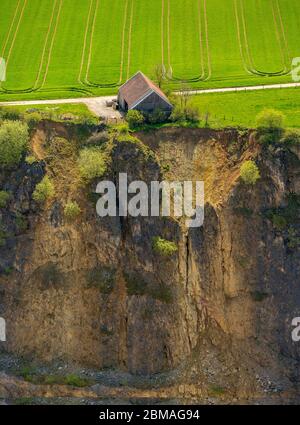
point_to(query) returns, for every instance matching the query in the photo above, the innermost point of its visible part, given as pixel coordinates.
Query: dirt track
(98, 106)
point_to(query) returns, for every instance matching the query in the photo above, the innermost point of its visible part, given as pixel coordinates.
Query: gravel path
(98, 106)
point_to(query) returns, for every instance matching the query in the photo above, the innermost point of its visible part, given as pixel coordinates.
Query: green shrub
(77, 381)
(165, 167)
(291, 137)
(72, 380)
(216, 390)
(23, 401)
(97, 139)
(242, 261)
(21, 222)
(163, 246)
(33, 118)
(53, 380)
(249, 172)
(161, 292)
(134, 118)
(30, 159)
(30, 374)
(122, 128)
(156, 117)
(243, 211)
(44, 190)
(8, 270)
(259, 296)
(270, 126)
(135, 284)
(91, 163)
(13, 142)
(178, 114)
(186, 112)
(270, 119)
(279, 222)
(88, 120)
(103, 278)
(10, 114)
(60, 148)
(4, 197)
(270, 136)
(126, 138)
(284, 216)
(192, 113)
(72, 211)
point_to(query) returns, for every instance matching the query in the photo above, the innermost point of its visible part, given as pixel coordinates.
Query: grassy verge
(219, 109)
(241, 109)
(76, 112)
(30, 375)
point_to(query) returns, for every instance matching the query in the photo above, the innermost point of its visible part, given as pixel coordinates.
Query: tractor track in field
(86, 82)
(170, 70)
(14, 38)
(129, 40)
(245, 50)
(201, 40)
(162, 34)
(123, 42)
(87, 45)
(280, 34)
(85, 42)
(126, 45)
(289, 56)
(284, 48)
(242, 35)
(207, 41)
(10, 28)
(52, 43)
(247, 57)
(202, 28)
(35, 87)
(240, 38)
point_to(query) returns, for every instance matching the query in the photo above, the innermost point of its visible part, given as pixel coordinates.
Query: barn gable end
(151, 102)
(142, 94)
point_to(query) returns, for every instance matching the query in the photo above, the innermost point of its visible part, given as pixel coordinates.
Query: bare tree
(159, 72)
(184, 96)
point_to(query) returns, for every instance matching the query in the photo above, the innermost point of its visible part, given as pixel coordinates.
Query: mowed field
(69, 48)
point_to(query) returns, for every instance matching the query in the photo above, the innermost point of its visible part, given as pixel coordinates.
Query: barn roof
(138, 88)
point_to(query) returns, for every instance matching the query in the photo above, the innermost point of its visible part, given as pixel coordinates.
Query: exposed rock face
(220, 309)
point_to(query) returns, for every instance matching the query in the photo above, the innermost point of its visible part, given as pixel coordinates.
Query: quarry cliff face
(94, 292)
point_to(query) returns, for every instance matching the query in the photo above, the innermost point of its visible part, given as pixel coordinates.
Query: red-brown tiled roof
(137, 87)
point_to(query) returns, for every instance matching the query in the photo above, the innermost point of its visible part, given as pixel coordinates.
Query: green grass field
(77, 109)
(241, 109)
(70, 48)
(223, 109)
